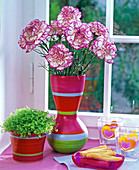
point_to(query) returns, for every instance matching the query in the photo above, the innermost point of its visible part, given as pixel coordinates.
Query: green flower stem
(45, 44)
(42, 47)
(39, 52)
(84, 70)
(81, 60)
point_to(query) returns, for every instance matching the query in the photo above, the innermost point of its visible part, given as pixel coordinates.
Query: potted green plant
(28, 129)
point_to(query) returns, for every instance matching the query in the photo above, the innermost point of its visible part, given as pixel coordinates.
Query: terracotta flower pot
(27, 149)
(72, 134)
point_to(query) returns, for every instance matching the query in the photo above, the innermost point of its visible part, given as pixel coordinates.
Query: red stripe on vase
(67, 104)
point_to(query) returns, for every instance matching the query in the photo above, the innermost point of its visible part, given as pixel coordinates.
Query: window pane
(126, 15)
(125, 79)
(95, 10)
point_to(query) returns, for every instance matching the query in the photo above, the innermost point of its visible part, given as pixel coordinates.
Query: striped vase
(27, 149)
(72, 134)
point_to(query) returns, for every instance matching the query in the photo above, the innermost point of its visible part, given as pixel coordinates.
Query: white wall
(11, 57)
(15, 64)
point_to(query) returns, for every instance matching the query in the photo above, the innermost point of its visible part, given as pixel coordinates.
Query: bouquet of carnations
(70, 47)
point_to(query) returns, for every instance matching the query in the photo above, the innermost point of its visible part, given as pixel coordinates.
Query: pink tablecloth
(48, 162)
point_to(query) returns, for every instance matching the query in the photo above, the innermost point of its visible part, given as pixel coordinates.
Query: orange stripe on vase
(69, 104)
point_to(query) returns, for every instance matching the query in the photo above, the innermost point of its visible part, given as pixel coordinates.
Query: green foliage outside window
(126, 67)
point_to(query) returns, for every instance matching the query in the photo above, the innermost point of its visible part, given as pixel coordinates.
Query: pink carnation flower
(103, 48)
(67, 15)
(79, 35)
(55, 29)
(98, 28)
(34, 33)
(59, 57)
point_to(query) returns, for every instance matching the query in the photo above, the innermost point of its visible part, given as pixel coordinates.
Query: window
(129, 41)
(111, 95)
(92, 99)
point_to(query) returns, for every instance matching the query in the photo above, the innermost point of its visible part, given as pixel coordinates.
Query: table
(48, 162)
